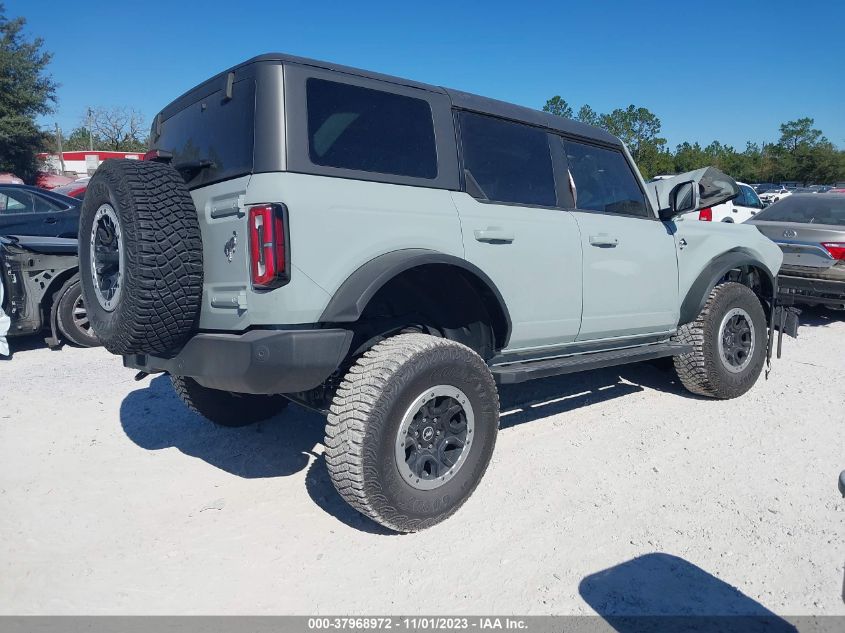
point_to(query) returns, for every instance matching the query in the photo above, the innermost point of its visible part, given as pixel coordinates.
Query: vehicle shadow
(154, 418)
(551, 396)
(28, 343)
(818, 315)
(661, 592)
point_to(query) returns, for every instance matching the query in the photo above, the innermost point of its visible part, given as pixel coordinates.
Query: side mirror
(682, 199)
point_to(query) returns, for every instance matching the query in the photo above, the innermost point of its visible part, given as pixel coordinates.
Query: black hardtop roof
(459, 99)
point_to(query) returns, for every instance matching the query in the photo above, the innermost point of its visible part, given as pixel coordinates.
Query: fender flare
(715, 270)
(354, 294)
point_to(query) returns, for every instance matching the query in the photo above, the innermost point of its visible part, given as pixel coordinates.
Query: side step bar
(520, 372)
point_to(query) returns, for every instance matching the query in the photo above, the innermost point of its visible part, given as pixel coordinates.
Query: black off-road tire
(703, 371)
(161, 270)
(69, 326)
(225, 408)
(365, 419)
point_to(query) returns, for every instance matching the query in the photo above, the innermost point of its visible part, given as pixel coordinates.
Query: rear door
(516, 228)
(18, 215)
(630, 260)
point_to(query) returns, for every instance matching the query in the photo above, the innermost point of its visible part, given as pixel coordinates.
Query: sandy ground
(611, 492)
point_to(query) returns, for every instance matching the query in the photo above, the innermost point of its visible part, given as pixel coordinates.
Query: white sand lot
(115, 499)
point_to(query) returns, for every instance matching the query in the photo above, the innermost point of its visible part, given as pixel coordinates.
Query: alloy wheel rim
(107, 257)
(80, 317)
(736, 340)
(434, 437)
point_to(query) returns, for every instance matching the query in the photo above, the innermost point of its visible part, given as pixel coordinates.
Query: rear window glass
(213, 129)
(509, 162)
(604, 180)
(817, 208)
(351, 127)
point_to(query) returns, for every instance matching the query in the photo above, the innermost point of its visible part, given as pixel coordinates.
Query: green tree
(79, 139)
(558, 106)
(26, 91)
(587, 115)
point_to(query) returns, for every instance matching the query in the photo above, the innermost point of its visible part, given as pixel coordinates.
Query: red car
(75, 189)
(46, 180)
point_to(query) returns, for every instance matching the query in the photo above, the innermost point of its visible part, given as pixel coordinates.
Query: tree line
(801, 154)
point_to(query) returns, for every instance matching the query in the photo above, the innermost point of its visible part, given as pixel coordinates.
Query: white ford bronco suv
(386, 252)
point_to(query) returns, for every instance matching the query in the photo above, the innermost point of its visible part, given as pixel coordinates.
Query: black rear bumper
(811, 290)
(258, 361)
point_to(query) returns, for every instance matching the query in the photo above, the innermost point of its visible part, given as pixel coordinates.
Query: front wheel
(411, 430)
(729, 344)
(72, 317)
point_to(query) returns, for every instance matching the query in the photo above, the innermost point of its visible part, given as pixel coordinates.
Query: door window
(604, 180)
(749, 198)
(506, 161)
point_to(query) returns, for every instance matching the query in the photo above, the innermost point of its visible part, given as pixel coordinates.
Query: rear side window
(351, 127)
(508, 162)
(604, 180)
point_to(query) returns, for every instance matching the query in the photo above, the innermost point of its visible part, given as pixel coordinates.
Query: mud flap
(783, 319)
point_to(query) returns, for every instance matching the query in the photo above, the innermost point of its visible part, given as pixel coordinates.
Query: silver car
(810, 229)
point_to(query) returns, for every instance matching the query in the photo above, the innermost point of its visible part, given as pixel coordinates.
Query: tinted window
(509, 162)
(370, 130)
(15, 201)
(213, 129)
(749, 198)
(810, 208)
(603, 180)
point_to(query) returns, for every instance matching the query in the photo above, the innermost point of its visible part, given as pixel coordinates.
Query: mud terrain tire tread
(360, 412)
(163, 268)
(701, 371)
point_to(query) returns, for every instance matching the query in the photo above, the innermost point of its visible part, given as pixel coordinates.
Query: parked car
(738, 210)
(40, 276)
(810, 229)
(820, 188)
(47, 180)
(75, 189)
(773, 195)
(361, 265)
(765, 186)
(27, 210)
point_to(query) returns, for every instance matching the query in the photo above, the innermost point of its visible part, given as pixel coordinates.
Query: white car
(735, 211)
(773, 195)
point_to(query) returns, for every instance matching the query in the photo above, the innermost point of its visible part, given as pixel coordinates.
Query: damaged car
(41, 290)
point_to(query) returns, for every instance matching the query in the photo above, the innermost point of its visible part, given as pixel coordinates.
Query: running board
(520, 372)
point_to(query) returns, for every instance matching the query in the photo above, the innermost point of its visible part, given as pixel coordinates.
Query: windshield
(810, 209)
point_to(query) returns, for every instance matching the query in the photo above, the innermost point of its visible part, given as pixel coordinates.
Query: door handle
(50, 220)
(604, 241)
(494, 234)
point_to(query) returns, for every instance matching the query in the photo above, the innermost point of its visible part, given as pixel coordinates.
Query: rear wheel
(411, 430)
(72, 317)
(729, 344)
(225, 408)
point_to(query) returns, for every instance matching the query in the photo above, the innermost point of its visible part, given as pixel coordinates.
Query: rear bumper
(258, 361)
(810, 290)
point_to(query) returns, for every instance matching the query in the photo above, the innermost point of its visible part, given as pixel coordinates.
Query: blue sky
(731, 71)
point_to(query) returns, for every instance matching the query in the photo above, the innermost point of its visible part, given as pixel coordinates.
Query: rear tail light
(706, 214)
(268, 246)
(836, 249)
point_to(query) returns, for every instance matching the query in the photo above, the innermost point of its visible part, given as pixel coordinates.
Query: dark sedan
(810, 229)
(26, 210)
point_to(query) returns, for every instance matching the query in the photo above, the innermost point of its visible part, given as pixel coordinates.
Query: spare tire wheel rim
(107, 257)
(434, 437)
(736, 340)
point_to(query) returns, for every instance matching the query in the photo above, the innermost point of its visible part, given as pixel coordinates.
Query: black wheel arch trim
(352, 296)
(712, 273)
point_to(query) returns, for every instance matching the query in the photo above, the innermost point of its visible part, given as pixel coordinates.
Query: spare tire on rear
(140, 257)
